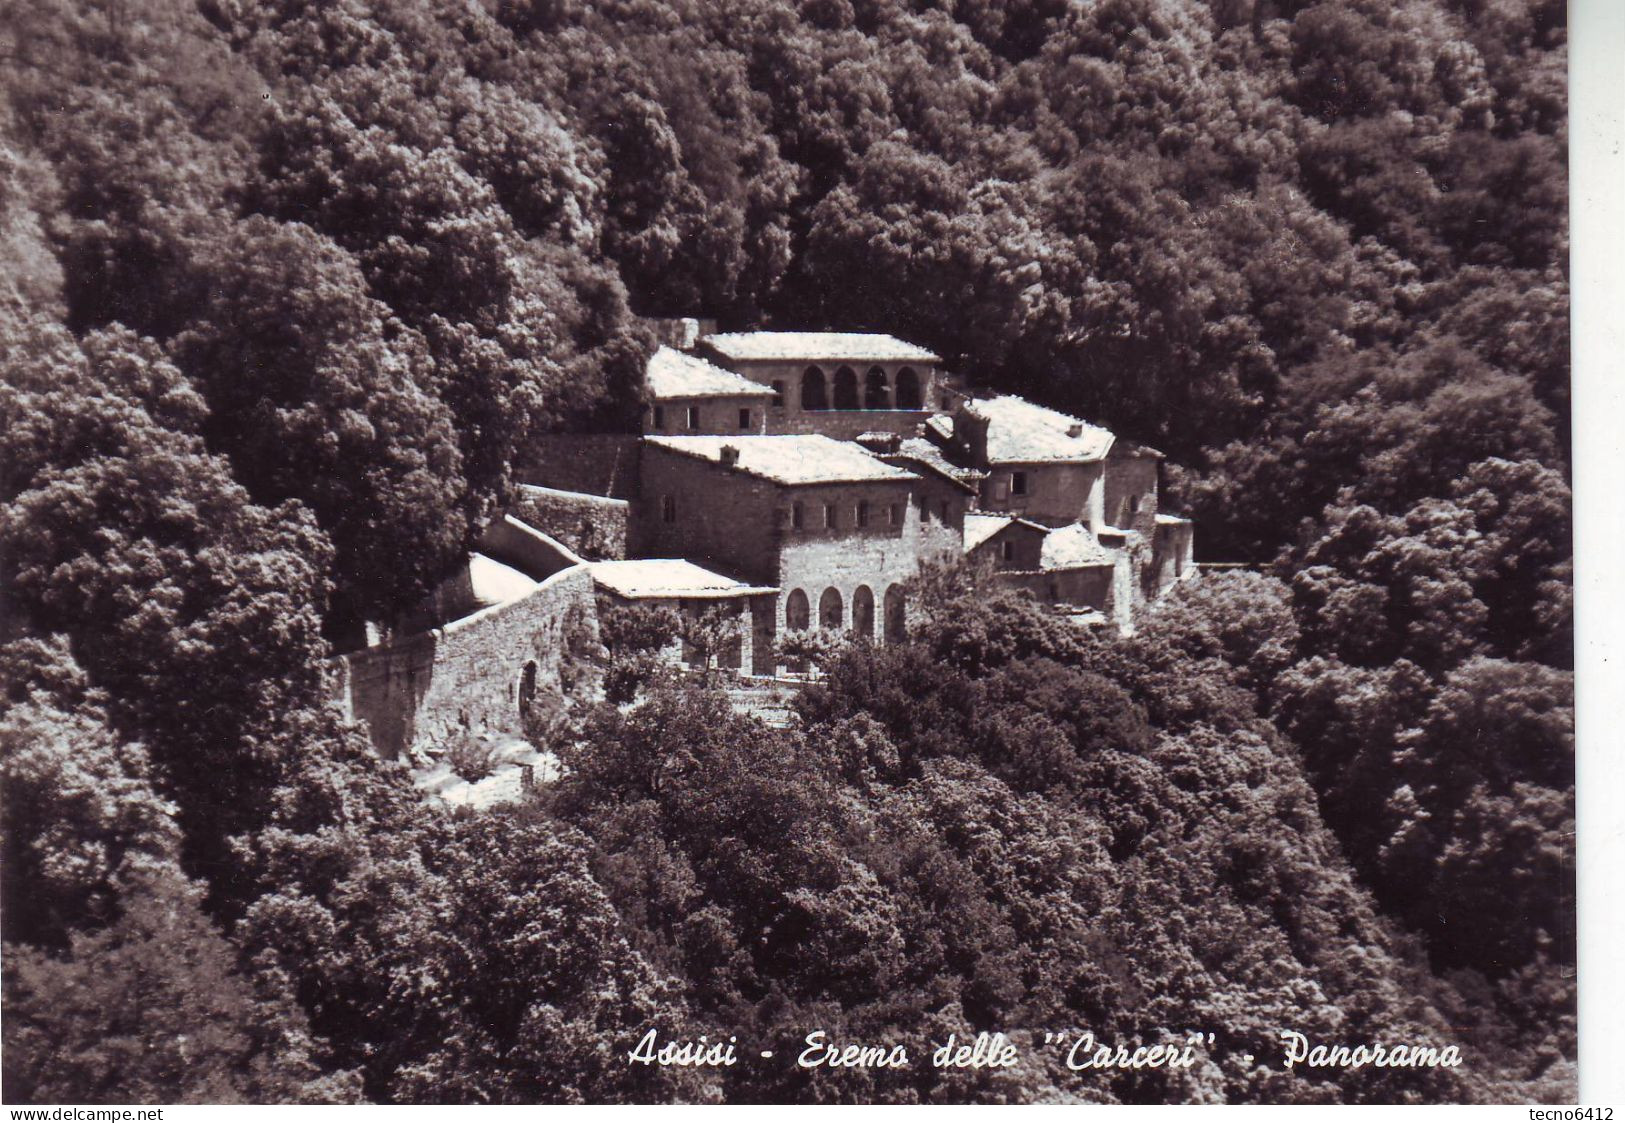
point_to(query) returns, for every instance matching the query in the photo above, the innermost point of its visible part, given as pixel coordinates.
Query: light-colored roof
(790, 459)
(1020, 432)
(672, 374)
(491, 582)
(583, 498)
(668, 577)
(1171, 520)
(818, 347)
(1072, 547)
(918, 450)
(981, 526)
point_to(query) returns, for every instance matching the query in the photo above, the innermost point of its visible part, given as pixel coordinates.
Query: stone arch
(896, 624)
(846, 388)
(797, 612)
(908, 390)
(831, 612)
(527, 686)
(863, 612)
(813, 394)
(876, 390)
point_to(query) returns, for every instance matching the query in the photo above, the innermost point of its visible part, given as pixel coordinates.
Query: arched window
(876, 390)
(846, 388)
(527, 687)
(796, 610)
(813, 395)
(863, 612)
(896, 632)
(908, 390)
(829, 609)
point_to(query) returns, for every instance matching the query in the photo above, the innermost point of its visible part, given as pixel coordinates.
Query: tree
(151, 1009)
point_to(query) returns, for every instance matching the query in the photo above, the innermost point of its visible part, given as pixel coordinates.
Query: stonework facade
(793, 481)
(594, 526)
(475, 675)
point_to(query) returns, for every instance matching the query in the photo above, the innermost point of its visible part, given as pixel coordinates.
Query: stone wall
(1172, 558)
(1026, 550)
(848, 424)
(1057, 493)
(1083, 587)
(1129, 478)
(847, 559)
(842, 424)
(721, 519)
(420, 694)
(594, 463)
(941, 539)
(591, 525)
(714, 416)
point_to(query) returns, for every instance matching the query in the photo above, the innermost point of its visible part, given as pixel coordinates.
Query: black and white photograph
(787, 552)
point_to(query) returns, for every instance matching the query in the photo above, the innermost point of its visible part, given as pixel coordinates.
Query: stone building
(689, 395)
(471, 658)
(840, 384)
(794, 480)
(834, 528)
(1038, 463)
(1079, 506)
(690, 590)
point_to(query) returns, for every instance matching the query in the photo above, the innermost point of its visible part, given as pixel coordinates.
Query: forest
(290, 289)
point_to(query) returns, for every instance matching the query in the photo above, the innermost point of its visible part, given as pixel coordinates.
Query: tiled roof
(980, 526)
(919, 451)
(668, 577)
(818, 347)
(1020, 432)
(1072, 547)
(790, 459)
(672, 374)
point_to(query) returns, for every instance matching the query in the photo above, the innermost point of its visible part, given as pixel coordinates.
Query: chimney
(1075, 430)
(688, 333)
(730, 455)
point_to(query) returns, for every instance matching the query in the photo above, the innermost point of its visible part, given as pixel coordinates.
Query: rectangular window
(943, 510)
(778, 394)
(744, 419)
(668, 508)
(796, 516)
(829, 516)
(1018, 483)
(660, 417)
(1007, 550)
(863, 513)
(693, 417)
(894, 514)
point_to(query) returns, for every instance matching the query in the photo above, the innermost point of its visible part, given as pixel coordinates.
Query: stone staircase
(767, 699)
